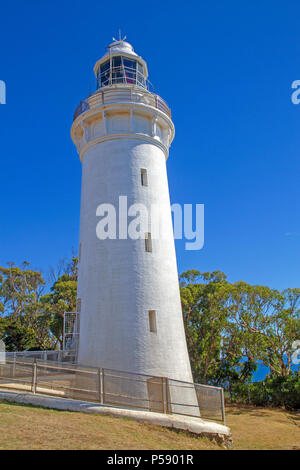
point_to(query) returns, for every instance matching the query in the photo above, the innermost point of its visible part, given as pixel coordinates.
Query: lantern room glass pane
(117, 70)
(129, 70)
(121, 70)
(103, 74)
(140, 76)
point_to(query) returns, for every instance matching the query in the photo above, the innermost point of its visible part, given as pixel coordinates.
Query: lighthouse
(128, 290)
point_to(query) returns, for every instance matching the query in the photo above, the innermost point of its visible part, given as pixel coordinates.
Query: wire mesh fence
(57, 356)
(110, 387)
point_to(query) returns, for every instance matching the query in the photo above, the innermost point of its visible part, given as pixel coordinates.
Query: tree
(216, 343)
(20, 288)
(268, 323)
(62, 298)
(20, 306)
(17, 337)
(205, 318)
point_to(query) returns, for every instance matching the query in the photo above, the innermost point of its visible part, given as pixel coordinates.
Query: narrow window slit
(152, 321)
(148, 242)
(144, 177)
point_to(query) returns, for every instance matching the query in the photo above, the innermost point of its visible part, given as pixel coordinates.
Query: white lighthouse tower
(128, 290)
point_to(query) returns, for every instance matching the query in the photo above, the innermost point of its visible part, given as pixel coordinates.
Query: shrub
(273, 391)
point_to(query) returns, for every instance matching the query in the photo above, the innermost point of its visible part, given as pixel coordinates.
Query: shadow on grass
(294, 418)
(262, 412)
(238, 410)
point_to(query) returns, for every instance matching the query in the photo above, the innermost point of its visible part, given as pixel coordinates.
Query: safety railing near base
(67, 355)
(111, 387)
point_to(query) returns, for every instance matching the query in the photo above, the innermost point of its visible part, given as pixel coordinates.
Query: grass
(29, 427)
(264, 428)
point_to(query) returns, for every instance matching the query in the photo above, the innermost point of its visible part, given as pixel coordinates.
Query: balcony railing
(122, 94)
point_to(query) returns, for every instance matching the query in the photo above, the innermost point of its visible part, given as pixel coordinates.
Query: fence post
(34, 376)
(102, 387)
(14, 365)
(164, 395)
(223, 406)
(100, 384)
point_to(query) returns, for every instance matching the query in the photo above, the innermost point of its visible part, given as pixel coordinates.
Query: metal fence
(110, 387)
(57, 356)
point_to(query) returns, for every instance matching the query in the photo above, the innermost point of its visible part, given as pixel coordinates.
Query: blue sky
(225, 68)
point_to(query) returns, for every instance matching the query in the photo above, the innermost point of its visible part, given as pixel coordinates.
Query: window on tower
(117, 70)
(103, 75)
(120, 69)
(152, 321)
(140, 76)
(148, 242)
(144, 177)
(129, 68)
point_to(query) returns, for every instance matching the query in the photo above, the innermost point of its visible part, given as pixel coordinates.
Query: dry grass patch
(28, 427)
(263, 428)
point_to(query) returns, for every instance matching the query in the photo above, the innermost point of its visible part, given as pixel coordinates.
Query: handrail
(15, 373)
(112, 94)
(123, 74)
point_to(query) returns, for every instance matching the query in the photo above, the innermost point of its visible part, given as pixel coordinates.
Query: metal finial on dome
(120, 37)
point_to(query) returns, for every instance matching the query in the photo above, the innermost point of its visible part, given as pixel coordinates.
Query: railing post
(14, 366)
(164, 395)
(102, 390)
(101, 385)
(223, 406)
(34, 376)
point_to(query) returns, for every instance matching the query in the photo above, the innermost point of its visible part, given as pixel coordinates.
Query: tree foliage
(29, 319)
(230, 328)
(62, 298)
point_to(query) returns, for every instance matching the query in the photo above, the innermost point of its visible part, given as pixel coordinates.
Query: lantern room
(121, 65)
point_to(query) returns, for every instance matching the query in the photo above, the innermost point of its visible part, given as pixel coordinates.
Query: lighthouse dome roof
(121, 46)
